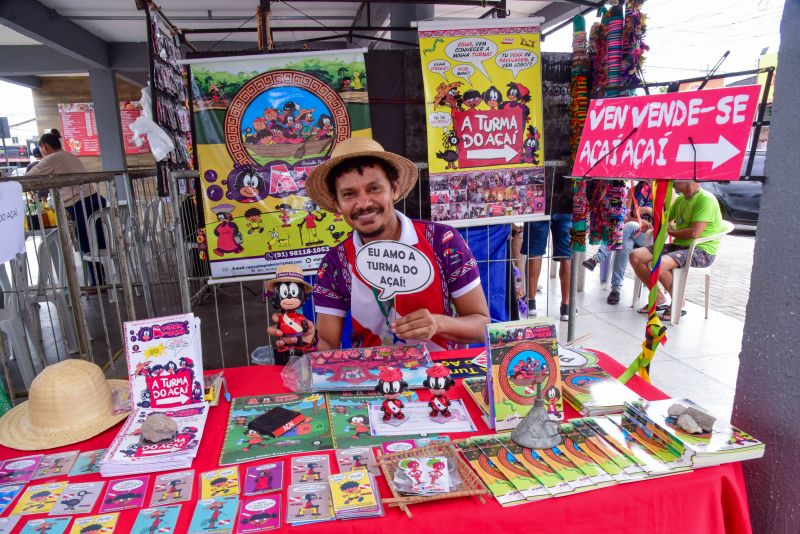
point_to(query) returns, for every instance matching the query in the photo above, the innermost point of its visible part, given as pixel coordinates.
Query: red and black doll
(289, 291)
(438, 382)
(391, 385)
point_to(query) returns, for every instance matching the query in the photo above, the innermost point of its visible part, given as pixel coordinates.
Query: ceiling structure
(40, 37)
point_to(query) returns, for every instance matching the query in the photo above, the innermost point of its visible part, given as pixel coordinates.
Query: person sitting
(363, 182)
(633, 235)
(80, 201)
(695, 213)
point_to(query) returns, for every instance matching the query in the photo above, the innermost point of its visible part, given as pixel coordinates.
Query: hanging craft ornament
(579, 92)
(655, 332)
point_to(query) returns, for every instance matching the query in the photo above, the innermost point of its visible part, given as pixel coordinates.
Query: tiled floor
(700, 359)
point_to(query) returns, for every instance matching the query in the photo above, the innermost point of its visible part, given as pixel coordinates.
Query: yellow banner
(262, 123)
(483, 104)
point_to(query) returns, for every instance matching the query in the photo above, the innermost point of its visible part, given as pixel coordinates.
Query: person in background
(558, 195)
(36, 154)
(694, 213)
(633, 235)
(79, 201)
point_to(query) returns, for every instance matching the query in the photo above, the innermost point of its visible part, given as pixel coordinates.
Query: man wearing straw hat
(363, 182)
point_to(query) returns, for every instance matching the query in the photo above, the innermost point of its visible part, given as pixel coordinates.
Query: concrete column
(106, 111)
(767, 392)
(404, 15)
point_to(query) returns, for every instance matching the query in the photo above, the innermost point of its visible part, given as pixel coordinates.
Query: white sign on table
(12, 215)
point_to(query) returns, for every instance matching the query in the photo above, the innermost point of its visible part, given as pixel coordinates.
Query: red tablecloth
(705, 501)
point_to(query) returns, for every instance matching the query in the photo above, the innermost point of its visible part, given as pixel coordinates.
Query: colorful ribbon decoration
(655, 332)
(579, 91)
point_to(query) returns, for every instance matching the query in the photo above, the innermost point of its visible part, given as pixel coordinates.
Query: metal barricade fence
(109, 243)
(99, 251)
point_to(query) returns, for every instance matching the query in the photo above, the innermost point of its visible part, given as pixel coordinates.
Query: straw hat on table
(68, 402)
(354, 147)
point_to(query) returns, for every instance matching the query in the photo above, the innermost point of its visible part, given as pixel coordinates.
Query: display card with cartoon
(172, 487)
(57, 464)
(308, 503)
(87, 463)
(19, 470)
(124, 494)
(214, 516)
(39, 499)
(219, 483)
(7, 524)
(310, 468)
(78, 498)
(356, 458)
(105, 523)
(48, 525)
(162, 519)
(8, 494)
(165, 365)
(264, 478)
(259, 514)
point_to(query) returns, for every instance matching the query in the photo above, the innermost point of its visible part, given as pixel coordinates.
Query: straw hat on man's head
(321, 189)
(68, 402)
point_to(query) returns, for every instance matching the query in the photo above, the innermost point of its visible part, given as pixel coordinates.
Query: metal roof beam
(31, 82)
(33, 19)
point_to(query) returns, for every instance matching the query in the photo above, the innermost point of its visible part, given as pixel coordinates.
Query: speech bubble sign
(439, 66)
(393, 268)
(464, 71)
(440, 119)
(516, 60)
(474, 50)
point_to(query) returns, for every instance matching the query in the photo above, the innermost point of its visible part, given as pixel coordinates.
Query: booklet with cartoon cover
(357, 368)
(264, 478)
(354, 495)
(48, 525)
(56, 464)
(628, 465)
(537, 467)
(259, 514)
(165, 362)
(475, 387)
(521, 353)
(243, 445)
(130, 455)
(512, 469)
(632, 448)
(578, 444)
(723, 443)
(39, 499)
(19, 470)
(219, 483)
(502, 490)
(78, 498)
(592, 391)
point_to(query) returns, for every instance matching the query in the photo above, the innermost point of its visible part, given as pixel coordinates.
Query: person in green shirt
(694, 213)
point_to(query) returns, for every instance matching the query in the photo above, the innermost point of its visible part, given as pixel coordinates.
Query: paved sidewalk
(700, 359)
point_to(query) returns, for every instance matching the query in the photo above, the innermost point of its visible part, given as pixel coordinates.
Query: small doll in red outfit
(439, 381)
(289, 291)
(391, 385)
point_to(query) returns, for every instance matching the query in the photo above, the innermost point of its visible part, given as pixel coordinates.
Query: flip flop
(667, 316)
(659, 308)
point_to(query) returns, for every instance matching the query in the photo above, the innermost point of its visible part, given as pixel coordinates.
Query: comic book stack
(130, 454)
(683, 425)
(592, 391)
(522, 357)
(165, 372)
(355, 495)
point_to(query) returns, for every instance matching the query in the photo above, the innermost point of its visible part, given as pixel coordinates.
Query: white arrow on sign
(717, 153)
(508, 152)
(170, 400)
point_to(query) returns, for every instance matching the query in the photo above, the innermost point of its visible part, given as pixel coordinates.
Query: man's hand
(308, 336)
(420, 325)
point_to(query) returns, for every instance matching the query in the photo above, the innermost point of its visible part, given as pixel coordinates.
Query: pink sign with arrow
(673, 136)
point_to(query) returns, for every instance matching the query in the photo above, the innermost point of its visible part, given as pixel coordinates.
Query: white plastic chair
(12, 322)
(107, 256)
(680, 275)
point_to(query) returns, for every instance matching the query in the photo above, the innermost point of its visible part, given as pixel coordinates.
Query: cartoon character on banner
(472, 99)
(253, 216)
(391, 385)
(313, 216)
(530, 146)
(450, 152)
(323, 129)
(289, 291)
(518, 96)
(438, 382)
(229, 238)
(246, 185)
(448, 95)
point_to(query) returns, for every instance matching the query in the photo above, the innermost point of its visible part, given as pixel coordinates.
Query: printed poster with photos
(483, 105)
(262, 124)
(79, 128)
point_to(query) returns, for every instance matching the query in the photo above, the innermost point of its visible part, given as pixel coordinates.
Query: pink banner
(698, 134)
